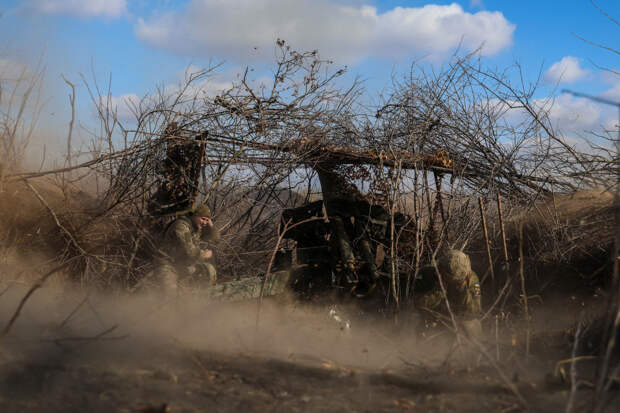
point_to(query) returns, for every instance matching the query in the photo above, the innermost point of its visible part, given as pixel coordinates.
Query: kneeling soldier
(462, 290)
(180, 254)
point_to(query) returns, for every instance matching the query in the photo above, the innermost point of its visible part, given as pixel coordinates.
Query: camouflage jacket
(464, 297)
(180, 245)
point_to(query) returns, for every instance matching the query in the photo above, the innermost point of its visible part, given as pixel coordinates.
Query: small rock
(163, 375)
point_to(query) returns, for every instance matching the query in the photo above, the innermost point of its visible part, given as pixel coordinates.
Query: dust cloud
(77, 350)
(126, 328)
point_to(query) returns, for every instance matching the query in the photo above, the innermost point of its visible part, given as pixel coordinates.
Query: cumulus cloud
(579, 122)
(129, 105)
(574, 114)
(567, 70)
(247, 29)
(570, 115)
(124, 106)
(205, 89)
(576, 118)
(611, 123)
(207, 86)
(78, 8)
(612, 93)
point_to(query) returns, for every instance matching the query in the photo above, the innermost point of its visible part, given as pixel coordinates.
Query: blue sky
(143, 43)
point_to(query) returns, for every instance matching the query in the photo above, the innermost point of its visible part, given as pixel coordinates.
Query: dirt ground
(78, 352)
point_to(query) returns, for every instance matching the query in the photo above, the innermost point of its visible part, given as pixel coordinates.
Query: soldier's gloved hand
(473, 328)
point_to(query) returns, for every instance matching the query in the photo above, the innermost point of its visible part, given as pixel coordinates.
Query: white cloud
(127, 106)
(613, 93)
(208, 88)
(124, 106)
(574, 114)
(567, 70)
(247, 29)
(78, 8)
(611, 123)
(210, 85)
(570, 116)
(573, 120)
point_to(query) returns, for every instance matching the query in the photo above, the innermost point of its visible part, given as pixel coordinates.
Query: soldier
(349, 217)
(462, 289)
(180, 254)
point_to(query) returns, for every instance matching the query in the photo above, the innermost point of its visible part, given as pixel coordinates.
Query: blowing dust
(92, 326)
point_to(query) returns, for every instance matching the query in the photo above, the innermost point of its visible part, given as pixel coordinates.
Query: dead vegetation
(433, 146)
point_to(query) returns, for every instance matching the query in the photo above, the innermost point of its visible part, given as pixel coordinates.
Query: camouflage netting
(179, 172)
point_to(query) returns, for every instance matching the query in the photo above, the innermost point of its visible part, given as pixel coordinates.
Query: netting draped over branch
(180, 173)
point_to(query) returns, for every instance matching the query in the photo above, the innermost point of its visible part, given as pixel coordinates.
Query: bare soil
(71, 352)
(80, 351)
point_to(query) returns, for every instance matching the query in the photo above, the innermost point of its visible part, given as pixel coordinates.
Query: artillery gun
(343, 249)
(344, 241)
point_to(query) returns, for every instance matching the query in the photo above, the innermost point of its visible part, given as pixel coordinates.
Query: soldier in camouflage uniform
(462, 289)
(180, 254)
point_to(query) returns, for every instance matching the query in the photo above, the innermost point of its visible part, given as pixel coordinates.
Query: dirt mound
(576, 229)
(28, 208)
(28, 233)
(43, 220)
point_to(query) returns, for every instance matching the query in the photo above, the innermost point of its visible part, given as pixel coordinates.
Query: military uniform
(180, 255)
(462, 290)
(464, 296)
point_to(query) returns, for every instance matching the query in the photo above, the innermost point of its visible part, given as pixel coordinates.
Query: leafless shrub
(20, 105)
(435, 143)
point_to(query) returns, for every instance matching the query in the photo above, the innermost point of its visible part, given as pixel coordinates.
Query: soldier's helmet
(455, 265)
(202, 211)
